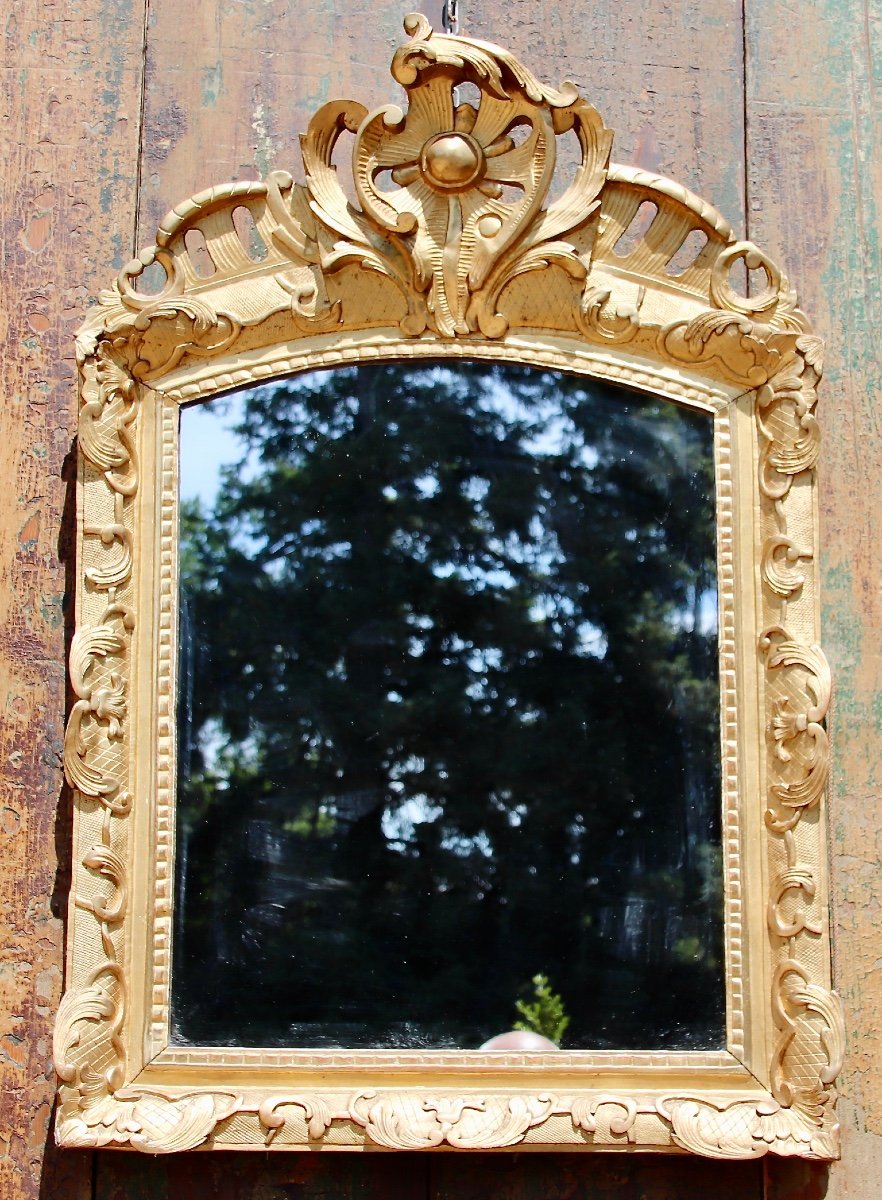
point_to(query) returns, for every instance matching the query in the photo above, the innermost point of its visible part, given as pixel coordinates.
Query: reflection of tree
(450, 713)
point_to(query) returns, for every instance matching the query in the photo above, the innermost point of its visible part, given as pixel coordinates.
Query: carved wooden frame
(458, 256)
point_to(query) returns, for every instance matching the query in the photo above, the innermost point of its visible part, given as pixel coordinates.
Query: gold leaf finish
(452, 249)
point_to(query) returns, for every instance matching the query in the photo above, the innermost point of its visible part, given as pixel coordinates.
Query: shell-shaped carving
(464, 215)
(117, 565)
(779, 561)
(811, 348)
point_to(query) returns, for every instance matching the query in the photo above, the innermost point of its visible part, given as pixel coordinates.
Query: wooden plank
(815, 202)
(71, 84)
(666, 75)
(226, 1174)
(600, 1177)
(230, 88)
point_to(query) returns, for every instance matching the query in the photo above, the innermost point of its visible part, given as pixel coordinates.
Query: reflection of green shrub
(688, 949)
(546, 1014)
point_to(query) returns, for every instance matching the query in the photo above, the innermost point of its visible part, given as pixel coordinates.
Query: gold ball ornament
(452, 162)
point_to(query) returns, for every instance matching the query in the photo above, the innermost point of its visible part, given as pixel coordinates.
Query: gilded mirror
(312, 776)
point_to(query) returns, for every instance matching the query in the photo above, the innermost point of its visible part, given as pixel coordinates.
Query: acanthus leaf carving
(811, 1028)
(584, 1111)
(400, 1121)
(317, 1113)
(613, 321)
(97, 1003)
(724, 337)
(150, 1121)
(792, 727)
(747, 1129)
(102, 704)
(105, 418)
(786, 420)
(798, 878)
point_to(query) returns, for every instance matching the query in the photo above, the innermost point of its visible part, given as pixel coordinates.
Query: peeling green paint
(263, 147)
(52, 609)
(212, 84)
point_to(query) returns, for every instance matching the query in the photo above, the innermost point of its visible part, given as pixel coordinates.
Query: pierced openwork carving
(452, 248)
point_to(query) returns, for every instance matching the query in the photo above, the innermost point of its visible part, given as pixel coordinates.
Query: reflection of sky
(208, 443)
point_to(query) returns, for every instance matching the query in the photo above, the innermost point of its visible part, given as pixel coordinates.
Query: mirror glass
(448, 720)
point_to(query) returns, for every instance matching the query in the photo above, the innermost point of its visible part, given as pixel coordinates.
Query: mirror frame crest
(450, 248)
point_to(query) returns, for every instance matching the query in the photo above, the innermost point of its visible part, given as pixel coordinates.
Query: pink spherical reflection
(519, 1039)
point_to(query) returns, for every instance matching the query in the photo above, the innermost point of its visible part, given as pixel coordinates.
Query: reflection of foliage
(449, 690)
(545, 1013)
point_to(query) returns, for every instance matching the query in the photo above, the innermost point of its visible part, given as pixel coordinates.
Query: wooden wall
(113, 110)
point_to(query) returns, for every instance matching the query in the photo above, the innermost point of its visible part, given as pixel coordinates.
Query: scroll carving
(444, 250)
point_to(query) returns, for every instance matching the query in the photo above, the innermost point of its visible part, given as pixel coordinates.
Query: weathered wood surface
(70, 118)
(415, 1176)
(228, 87)
(814, 138)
